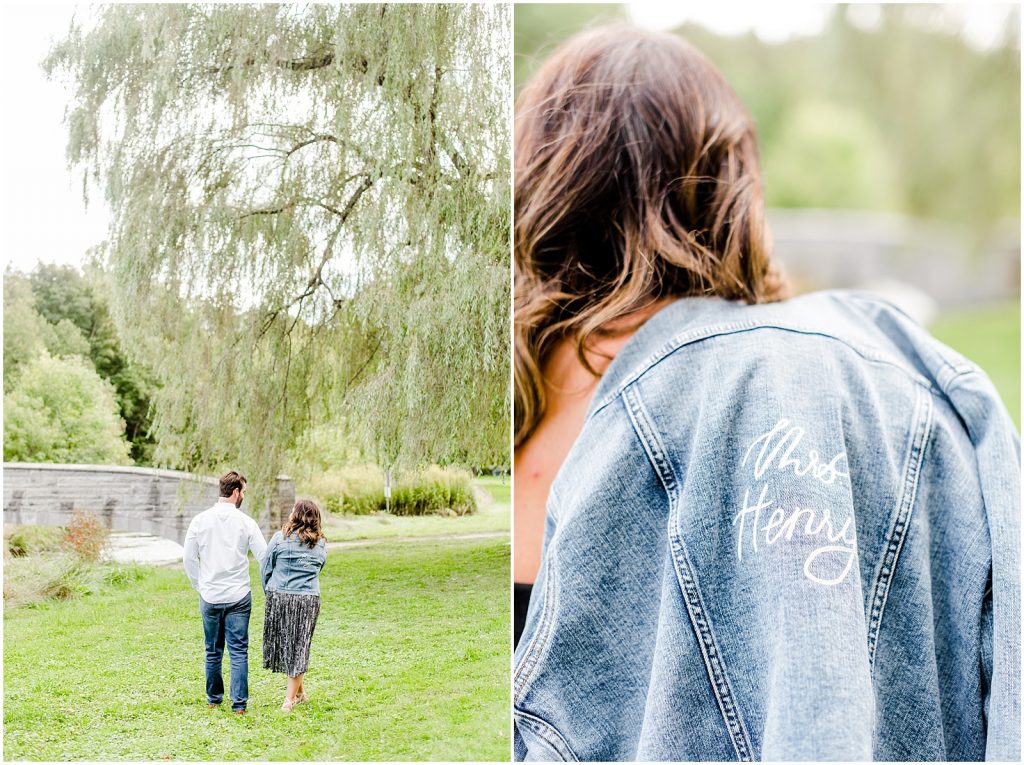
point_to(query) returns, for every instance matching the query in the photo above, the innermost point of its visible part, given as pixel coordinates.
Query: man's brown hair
(636, 179)
(231, 481)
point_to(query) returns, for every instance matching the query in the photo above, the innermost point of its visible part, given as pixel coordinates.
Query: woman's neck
(564, 372)
(568, 387)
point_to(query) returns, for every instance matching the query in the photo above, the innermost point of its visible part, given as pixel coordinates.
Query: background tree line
(903, 115)
(71, 394)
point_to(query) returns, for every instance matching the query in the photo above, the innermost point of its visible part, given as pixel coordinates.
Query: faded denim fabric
(227, 623)
(785, 532)
(289, 565)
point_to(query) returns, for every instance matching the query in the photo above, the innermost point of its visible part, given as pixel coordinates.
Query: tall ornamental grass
(360, 491)
(44, 563)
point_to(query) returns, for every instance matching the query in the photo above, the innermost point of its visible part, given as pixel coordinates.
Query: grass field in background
(493, 516)
(410, 661)
(500, 487)
(990, 337)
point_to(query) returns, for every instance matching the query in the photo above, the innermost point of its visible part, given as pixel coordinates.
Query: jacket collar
(660, 329)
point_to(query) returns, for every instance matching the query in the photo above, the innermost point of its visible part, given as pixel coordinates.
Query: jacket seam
(538, 641)
(553, 501)
(957, 380)
(550, 734)
(950, 368)
(690, 590)
(694, 336)
(886, 569)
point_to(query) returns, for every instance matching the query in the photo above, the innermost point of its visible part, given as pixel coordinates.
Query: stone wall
(824, 249)
(160, 502)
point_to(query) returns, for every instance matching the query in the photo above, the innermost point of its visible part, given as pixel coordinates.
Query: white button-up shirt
(217, 546)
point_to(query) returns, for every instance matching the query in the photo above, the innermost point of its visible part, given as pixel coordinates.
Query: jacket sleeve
(997, 446)
(268, 560)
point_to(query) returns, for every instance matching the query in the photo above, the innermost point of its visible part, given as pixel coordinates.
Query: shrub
(33, 540)
(360, 491)
(61, 410)
(86, 536)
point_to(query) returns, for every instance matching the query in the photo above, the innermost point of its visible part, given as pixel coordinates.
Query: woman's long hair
(636, 179)
(305, 521)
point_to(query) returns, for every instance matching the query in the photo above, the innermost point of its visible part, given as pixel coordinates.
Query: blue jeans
(227, 623)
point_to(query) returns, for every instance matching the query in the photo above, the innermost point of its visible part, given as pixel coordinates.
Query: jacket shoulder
(817, 339)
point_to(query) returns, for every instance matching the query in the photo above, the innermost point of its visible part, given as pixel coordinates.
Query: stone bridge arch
(147, 500)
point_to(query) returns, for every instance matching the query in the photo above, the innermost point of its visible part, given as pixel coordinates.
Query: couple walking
(216, 557)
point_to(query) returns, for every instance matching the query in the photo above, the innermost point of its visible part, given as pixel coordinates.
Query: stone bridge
(159, 502)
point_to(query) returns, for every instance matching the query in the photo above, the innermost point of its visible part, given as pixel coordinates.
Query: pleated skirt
(288, 631)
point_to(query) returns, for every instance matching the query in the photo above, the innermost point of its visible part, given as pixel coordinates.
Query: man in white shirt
(217, 546)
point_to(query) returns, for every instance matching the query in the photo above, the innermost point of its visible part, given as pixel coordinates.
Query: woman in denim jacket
(756, 527)
(290, 572)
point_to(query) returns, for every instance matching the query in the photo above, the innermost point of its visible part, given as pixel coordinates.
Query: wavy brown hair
(306, 522)
(636, 179)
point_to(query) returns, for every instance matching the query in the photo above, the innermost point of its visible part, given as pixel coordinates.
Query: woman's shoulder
(294, 540)
(711, 377)
(698, 345)
(287, 540)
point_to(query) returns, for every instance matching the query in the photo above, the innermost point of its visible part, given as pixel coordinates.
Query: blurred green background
(890, 144)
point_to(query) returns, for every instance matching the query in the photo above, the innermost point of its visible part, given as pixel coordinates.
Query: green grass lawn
(499, 486)
(493, 516)
(990, 337)
(410, 661)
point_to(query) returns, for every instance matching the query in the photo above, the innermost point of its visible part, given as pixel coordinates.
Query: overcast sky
(981, 24)
(44, 217)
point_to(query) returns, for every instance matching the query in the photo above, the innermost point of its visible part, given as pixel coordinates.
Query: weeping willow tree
(310, 211)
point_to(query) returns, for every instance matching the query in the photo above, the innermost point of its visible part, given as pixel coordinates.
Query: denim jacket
(785, 531)
(289, 565)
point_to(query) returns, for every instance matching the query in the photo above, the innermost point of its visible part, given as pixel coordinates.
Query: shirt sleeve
(190, 556)
(257, 543)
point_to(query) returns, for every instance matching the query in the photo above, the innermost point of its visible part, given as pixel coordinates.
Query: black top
(521, 603)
